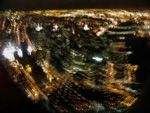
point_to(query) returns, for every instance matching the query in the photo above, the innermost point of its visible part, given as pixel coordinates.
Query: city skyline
(91, 60)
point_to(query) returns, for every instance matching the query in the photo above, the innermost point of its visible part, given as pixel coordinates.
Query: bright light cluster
(86, 27)
(20, 54)
(29, 49)
(8, 52)
(38, 28)
(98, 59)
(55, 28)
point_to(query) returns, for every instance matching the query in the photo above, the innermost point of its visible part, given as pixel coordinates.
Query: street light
(86, 27)
(20, 54)
(98, 59)
(29, 49)
(38, 28)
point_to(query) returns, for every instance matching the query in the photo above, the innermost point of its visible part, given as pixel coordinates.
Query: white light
(59, 35)
(121, 13)
(20, 54)
(102, 29)
(122, 37)
(148, 26)
(54, 30)
(99, 33)
(36, 94)
(55, 27)
(38, 28)
(132, 14)
(86, 27)
(146, 14)
(111, 26)
(8, 31)
(9, 53)
(115, 22)
(68, 15)
(29, 49)
(91, 14)
(110, 63)
(113, 14)
(129, 53)
(99, 59)
(111, 19)
(139, 14)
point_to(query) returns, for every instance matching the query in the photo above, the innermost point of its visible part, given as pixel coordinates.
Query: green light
(9, 12)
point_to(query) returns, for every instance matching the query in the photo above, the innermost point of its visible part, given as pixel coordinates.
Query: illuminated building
(86, 28)
(129, 72)
(110, 70)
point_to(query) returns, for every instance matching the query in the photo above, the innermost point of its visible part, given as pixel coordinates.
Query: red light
(148, 43)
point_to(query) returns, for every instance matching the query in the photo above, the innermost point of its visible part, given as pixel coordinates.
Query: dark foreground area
(12, 100)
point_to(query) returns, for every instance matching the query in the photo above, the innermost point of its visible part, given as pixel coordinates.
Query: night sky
(71, 4)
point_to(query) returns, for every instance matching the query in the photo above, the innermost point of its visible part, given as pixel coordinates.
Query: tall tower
(129, 72)
(110, 70)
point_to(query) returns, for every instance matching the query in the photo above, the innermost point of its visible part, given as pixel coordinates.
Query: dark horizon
(71, 4)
